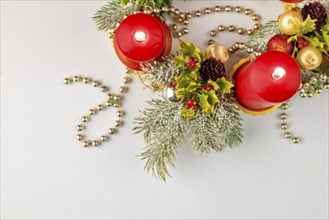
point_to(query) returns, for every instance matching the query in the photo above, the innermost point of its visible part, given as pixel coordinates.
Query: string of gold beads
(112, 100)
(284, 126)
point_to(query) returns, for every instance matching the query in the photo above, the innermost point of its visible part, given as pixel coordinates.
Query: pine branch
(229, 122)
(109, 15)
(164, 130)
(205, 135)
(260, 38)
(159, 74)
(218, 130)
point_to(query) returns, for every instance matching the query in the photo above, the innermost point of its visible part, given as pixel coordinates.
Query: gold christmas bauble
(217, 51)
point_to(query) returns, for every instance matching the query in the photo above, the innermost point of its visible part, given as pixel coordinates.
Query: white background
(46, 173)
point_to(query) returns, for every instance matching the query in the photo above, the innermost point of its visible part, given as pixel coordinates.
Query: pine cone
(211, 69)
(317, 11)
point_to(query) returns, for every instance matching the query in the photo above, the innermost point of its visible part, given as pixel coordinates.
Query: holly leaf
(214, 85)
(207, 101)
(307, 26)
(225, 86)
(315, 42)
(188, 114)
(124, 2)
(180, 61)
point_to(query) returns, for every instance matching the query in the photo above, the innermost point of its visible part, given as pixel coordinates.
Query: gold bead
(104, 89)
(306, 85)
(173, 9)
(181, 15)
(313, 80)
(126, 80)
(179, 34)
(250, 32)
(221, 28)
(95, 143)
(120, 113)
(96, 83)
(116, 105)
(303, 95)
(92, 111)
(323, 77)
(165, 9)
(179, 20)
(240, 31)
(256, 26)
(100, 107)
(80, 127)
(326, 86)
(104, 137)
(109, 103)
(77, 78)
(295, 140)
(117, 123)
(86, 143)
(147, 11)
(85, 118)
(250, 50)
(186, 22)
(198, 13)
(218, 9)
(284, 106)
(283, 116)
(80, 137)
(174, 27)
(309, 94)
(257, 54)
(318, 91)
(231, 28)
(255, 17)
(176, 12)
(213, 33)
(210, 42)
(242, 45)
(156, 10)
(283, 126)
(86, 80)
(112, 130)
(123, 89)
(207, 11)
(228, 8)
(185, 30)
(238, 9)
(247, 11)
(68, 81)
(231, 50)
(287, 135)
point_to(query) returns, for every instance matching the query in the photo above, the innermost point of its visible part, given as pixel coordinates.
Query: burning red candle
(272, 78)
(142, 38)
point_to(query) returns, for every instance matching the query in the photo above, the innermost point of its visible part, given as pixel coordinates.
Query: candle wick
(278, 73)
(140, 36)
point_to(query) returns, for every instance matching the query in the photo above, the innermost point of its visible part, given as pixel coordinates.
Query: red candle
(142, 38)
(272, 78)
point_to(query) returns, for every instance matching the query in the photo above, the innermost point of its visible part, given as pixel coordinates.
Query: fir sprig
(158, 74)
(109, 15)
(164, 130)
(260, 38)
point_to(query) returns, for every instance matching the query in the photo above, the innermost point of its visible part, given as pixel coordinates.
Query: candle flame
(140, 36)
(278, 73)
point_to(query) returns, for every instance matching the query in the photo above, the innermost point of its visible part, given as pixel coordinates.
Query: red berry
(172, 85)
(190, 102)
(188, 106)
(306, 43)
(209, 88)
(300, 40)
(300, 46)
(191, 62)
(194, 107)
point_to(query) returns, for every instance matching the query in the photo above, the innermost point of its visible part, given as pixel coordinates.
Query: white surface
(45, 173)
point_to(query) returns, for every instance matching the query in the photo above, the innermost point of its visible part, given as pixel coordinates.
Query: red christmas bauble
(292, 1)
(272, 78)
(142, 38)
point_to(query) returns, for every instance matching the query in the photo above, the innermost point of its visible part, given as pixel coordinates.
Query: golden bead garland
(112, 100)
(284, 126)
